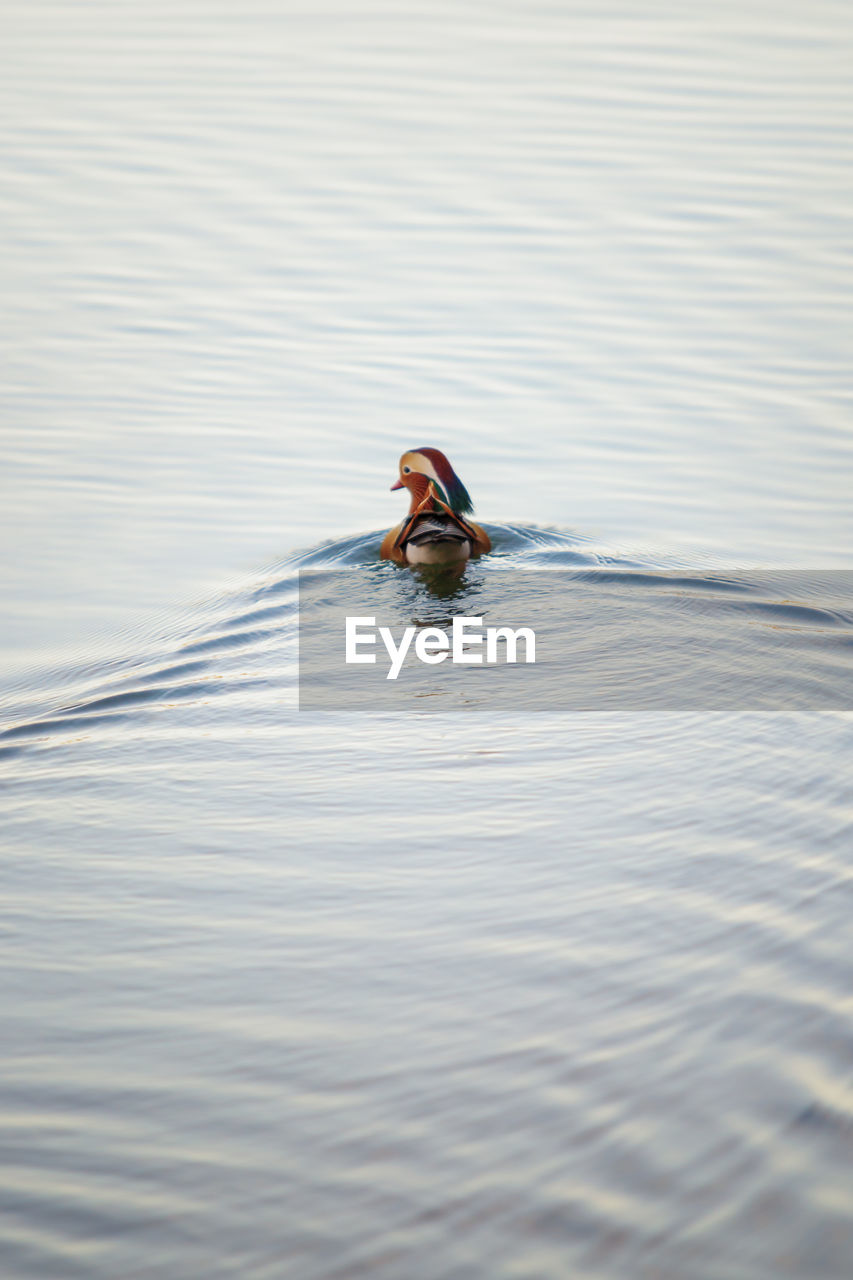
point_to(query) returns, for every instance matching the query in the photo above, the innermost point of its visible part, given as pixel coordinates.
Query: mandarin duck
(435, 531)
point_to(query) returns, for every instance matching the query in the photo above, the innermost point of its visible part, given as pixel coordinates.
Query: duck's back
(434, 537)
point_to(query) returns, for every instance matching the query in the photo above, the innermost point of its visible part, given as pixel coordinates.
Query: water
(440, 990)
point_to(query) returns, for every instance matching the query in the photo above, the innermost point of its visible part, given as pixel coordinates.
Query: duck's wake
(241, 648)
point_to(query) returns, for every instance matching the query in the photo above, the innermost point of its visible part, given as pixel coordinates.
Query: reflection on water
(431, 994)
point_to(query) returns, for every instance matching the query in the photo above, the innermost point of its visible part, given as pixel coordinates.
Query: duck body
(436, 531)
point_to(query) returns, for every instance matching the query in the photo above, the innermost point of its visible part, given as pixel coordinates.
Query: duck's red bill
(398, 485)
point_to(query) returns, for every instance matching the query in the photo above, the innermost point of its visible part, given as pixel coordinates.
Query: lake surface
(465, 985)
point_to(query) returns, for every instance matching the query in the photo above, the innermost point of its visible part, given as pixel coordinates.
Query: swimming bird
(435, 531)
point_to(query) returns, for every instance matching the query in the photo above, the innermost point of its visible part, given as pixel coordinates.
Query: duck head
(421, 469)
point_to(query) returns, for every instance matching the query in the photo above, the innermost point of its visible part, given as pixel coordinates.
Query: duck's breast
(438, 551)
